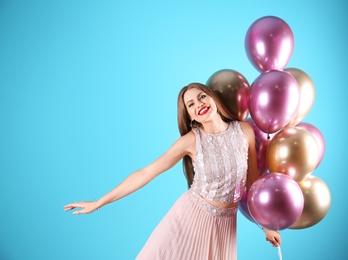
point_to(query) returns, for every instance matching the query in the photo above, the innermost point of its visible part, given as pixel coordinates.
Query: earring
(192, 122)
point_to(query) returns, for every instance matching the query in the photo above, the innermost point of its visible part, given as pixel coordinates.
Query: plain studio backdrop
(88, 93)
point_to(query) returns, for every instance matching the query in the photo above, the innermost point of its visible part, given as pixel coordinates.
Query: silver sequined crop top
(221, 164)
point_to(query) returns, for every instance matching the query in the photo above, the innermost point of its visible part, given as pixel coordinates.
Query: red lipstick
(203, 110)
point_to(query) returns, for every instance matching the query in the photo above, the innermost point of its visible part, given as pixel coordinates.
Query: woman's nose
(200, 103)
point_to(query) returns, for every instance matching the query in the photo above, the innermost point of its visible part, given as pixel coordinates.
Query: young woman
(219, 160)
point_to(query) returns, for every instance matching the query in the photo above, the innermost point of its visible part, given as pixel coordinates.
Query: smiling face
(190, 97)
(199, 105)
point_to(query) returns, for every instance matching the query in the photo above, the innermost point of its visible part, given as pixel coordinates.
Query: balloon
(269, 43)
(233, 90)
(260, 136)
(275, 201)
(294, 152)
(262, 141)
(318, 137)
(262, 157)
(307, 94)
(273, 100)
(317, 201)
(243, 206)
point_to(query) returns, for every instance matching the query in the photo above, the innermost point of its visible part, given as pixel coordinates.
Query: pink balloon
(318, 137)
(273, 100)
(275, 201)
(269, 43)
(243, 206)
(262, 141)
(262, 157)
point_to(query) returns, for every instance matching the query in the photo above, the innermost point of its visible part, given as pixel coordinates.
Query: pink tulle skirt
(193, 229)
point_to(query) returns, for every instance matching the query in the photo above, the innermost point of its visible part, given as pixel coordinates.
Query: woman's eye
(203, 96)
(190, 105)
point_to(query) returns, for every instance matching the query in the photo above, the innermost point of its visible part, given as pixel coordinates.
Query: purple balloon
(243, 206)
(269, 43)
(273, 100)
(318, 137)
(262, 141)
(275, 201)
(262, 157)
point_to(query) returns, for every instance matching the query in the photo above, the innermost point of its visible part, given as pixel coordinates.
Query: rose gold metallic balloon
(318, 136)
(233, 89)
(317, 200)
(269, 43)
(294, 152)
(275, 201)
(262, 141)
(307, 94)
(273, 100)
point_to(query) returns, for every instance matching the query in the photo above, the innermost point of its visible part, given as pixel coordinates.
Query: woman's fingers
(274, 241)
(85, 207)
(77, 212)
(72, 206)
(273, 237)
(279, 240)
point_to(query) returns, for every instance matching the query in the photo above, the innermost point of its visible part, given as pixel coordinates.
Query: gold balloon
(307, 95)
(317, 200)
(233, 90)
(294, 152)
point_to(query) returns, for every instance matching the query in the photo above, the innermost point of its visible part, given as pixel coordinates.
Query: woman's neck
(214, 126)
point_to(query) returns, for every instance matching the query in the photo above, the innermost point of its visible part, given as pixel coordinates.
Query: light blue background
(88, 94)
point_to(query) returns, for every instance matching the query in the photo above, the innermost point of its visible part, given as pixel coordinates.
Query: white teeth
(203, 111)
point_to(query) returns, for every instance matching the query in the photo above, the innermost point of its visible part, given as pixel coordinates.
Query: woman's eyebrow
(200, 93)
(197, 97)
(191, 100)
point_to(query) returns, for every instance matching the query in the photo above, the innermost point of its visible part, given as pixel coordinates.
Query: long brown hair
(184, 121)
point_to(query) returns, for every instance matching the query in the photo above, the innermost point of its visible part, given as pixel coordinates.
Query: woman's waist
(222, 198)
(221, 205)
(215, 207)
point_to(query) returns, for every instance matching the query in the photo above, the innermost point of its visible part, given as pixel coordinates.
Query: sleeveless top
(221, 164)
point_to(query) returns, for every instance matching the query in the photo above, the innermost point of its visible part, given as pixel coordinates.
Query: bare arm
(272, 236)
(183, 146)
(252, 173)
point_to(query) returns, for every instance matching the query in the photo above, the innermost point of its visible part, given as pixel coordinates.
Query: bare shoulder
(188, 139)
(188, 143)
(247, 129)
(190, 136)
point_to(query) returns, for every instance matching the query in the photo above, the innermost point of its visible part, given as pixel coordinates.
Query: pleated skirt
(193, 229)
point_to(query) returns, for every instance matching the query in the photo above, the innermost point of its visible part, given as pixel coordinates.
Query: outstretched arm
(139, 178)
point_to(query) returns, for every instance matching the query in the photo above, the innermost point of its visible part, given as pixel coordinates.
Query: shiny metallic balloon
(233, 89)
(275, 201)
(294, 152)
(317, 135)
(317, 200)
(269, 43)
(243, 206)
(262, 141)
(307, 94)
(273, 100)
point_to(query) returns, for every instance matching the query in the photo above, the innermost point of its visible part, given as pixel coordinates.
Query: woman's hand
(273, 237)
(87, 207)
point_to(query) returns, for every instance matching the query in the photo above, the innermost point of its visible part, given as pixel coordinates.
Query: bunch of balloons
(286, 193)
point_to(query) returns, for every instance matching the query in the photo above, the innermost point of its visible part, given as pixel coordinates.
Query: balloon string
(280, 253)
